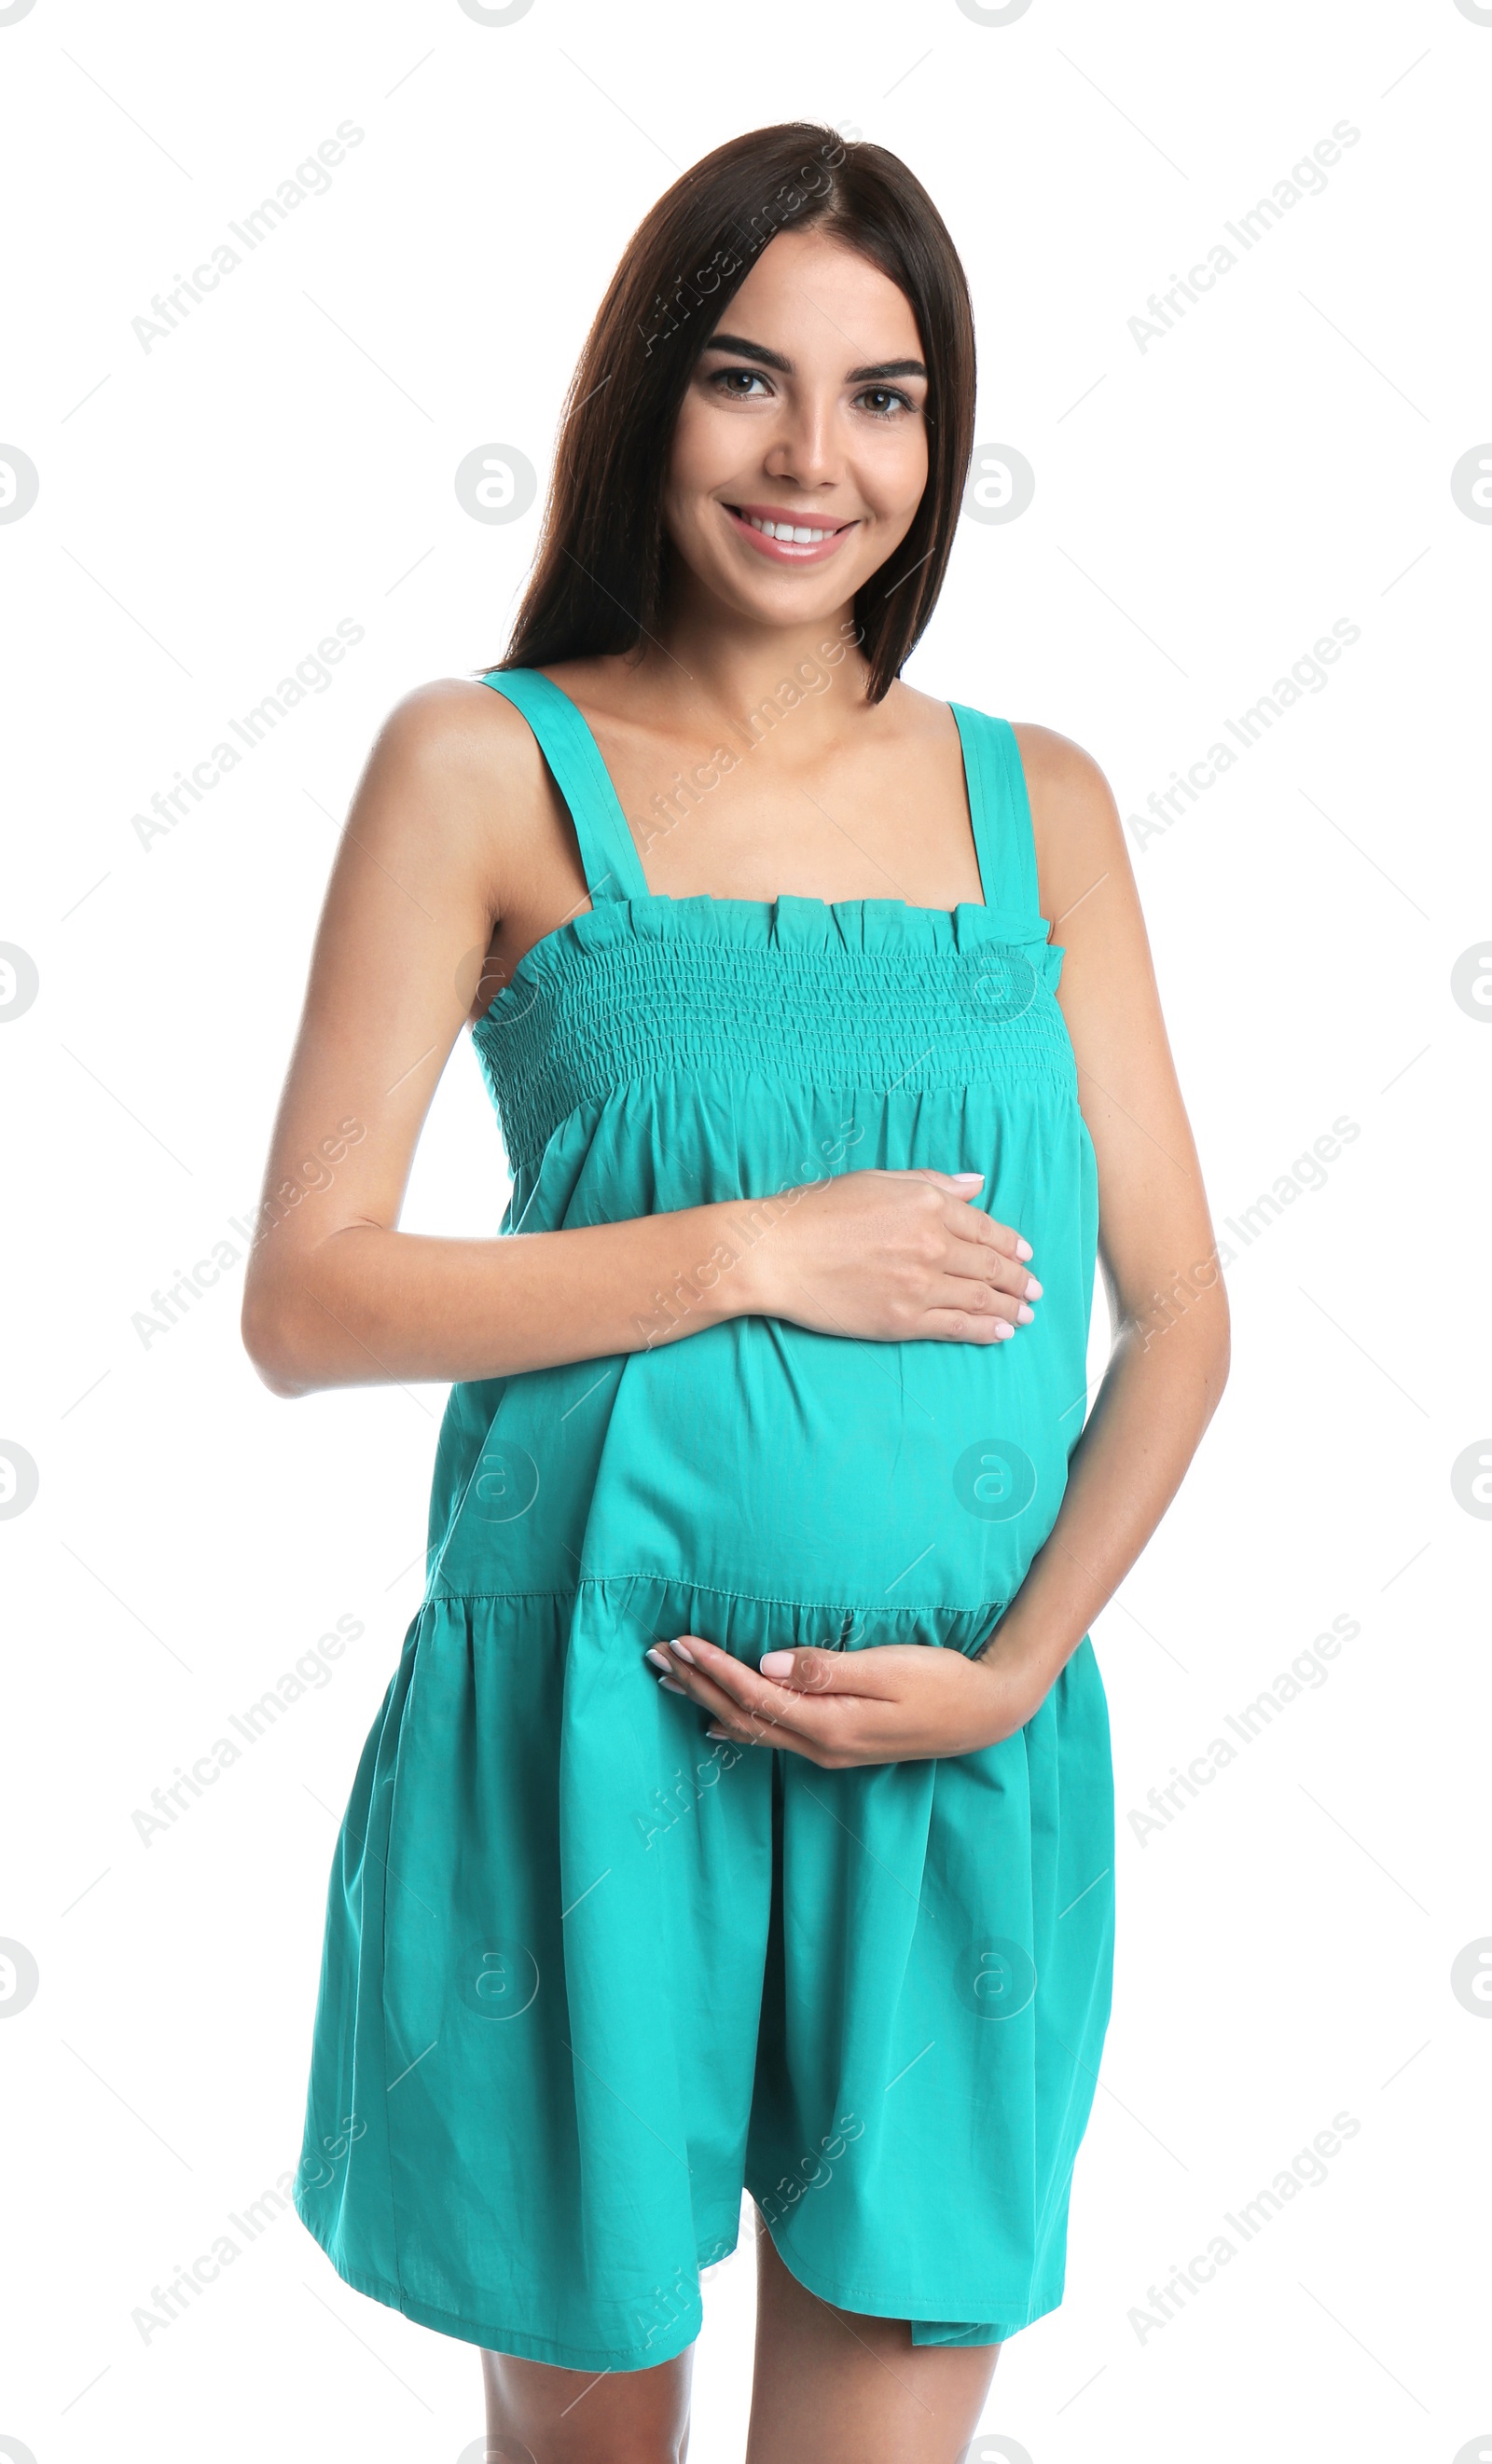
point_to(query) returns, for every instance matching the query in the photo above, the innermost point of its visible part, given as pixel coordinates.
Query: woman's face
(806, 412)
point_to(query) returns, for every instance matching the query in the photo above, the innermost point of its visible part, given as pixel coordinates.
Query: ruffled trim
(788, 926)
(856, 993)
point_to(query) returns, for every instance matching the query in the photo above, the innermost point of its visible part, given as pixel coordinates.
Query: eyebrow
(741, 349)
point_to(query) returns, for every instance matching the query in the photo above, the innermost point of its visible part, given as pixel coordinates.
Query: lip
(786, 551)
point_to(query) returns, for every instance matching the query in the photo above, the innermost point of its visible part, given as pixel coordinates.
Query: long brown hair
(600, 577)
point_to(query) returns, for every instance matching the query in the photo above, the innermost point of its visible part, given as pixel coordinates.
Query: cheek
(706, 450)
(891, 473)
(697, 467)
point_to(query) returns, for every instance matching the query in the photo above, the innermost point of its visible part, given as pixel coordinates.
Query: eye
(883, 402)
(734, 383)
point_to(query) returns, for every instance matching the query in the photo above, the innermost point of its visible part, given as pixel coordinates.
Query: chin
(783, 599)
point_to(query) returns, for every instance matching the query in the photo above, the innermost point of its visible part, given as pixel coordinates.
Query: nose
(805, 450)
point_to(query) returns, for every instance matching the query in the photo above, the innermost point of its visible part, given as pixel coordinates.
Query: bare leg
(833, 2387)
(538, 2414)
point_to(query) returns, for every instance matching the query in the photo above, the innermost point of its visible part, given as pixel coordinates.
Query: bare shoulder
(1067, 788)
(1075, 821)
(454, 774)
(456, 728)
(919, 718)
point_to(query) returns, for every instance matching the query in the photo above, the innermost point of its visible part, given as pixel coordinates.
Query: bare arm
(1156, 1244)
(453, 835)
(900, 1703)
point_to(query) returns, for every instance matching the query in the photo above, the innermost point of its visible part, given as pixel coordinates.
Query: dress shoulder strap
(608, 851)
(1000, 810)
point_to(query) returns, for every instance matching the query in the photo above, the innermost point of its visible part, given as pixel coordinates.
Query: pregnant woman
(739, 1813)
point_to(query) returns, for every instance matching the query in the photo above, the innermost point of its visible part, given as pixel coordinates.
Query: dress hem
(520, 2345)
(867, 2305)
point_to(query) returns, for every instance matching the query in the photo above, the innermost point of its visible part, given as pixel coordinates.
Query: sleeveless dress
(587, 1971)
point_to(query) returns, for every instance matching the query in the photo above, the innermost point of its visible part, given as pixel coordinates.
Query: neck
(710, 669)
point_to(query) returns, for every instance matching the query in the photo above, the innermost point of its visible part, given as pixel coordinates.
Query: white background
(1204, 509)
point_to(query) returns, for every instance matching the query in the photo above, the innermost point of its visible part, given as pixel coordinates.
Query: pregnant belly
(876, 1482)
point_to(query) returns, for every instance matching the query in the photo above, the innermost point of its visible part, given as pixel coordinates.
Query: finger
(957, 1326)
(718, 1681)
(989, 1265)
(964, 1186)
(727, 1688)
(1004, 1251)
(878, 1674)
(999, 1236)
(716, 1703)
(745, 1727)
(689, 1677)
(958, 1184)
(954, 1290)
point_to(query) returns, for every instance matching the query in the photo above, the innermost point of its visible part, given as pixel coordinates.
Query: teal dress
(587, 1971)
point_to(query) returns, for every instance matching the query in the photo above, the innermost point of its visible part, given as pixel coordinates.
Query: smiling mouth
(786, 540)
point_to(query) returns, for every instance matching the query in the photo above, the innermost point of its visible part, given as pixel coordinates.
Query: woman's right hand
(890, 1257)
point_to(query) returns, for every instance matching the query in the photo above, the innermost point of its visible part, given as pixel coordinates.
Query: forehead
(812, 294)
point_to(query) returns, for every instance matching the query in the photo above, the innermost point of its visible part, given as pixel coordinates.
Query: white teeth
(796, 532)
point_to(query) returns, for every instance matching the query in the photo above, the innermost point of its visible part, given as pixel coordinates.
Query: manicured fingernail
(718, 1733)
(1024, 1249)
(968, 1180)
(671, 1685)
(1003, 1330)
(775, 1664)
(1033, 1288)
(659, 1658)
(1024, 1315)
(684, 1651)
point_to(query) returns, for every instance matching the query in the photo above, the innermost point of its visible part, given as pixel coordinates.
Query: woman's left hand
(891, 1702)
